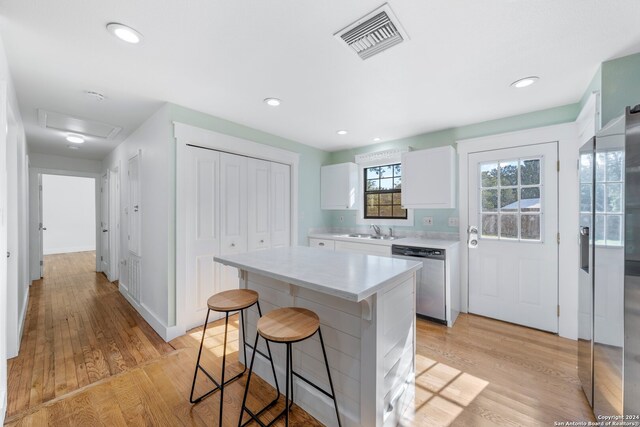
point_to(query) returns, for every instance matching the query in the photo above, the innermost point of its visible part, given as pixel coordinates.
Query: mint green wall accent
(309, 213)
(620, 86)
(594, 86)
(551, 116)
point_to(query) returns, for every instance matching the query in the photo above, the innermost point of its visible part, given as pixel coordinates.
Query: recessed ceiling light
(73, 147)
(76, 139)
(272, 102)
(342, 132)
(124, 33)
(376, 139)
(96, 95)
(527, 81)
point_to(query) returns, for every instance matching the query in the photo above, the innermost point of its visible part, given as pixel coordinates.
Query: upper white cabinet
(428, 178)
(339, 186)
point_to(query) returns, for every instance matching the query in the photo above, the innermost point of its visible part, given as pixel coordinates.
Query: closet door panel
(259, 236)
(280, 198)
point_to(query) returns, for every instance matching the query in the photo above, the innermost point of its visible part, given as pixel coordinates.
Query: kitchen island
(366, 306)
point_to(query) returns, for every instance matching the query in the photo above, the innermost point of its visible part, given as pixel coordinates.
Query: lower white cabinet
(362, 248)
(357, 247)
(322, 243)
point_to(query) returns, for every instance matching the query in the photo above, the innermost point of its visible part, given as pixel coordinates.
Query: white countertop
(346, 275)
(405, 241)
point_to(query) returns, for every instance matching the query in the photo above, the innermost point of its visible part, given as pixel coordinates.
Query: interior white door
(41, 227)
(134, 210)
(202, 232)
(258, 204)
(233, 214)
(280, 200)
(114, 224)
(3, 250)
(513, 203)
(104, 224)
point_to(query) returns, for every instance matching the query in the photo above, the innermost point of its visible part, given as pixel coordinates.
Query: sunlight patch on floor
(442, 393)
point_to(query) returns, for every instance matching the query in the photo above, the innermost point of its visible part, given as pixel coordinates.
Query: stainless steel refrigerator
(609, 278)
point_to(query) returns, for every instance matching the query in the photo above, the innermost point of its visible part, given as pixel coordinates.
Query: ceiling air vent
(373, 33)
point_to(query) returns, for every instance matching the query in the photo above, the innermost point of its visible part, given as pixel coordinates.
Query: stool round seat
(232, 300)
(288, 324)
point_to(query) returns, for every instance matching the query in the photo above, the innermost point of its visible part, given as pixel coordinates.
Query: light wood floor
(482, 372)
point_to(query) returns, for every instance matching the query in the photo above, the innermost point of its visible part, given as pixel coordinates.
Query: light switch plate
(427, 220)
(453, 221)
(341, 218)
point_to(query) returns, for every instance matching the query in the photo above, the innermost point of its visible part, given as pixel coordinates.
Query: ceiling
(225, 57)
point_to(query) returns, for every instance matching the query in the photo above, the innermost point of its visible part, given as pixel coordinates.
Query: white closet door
(203, 232)
(233, 214)
(280, 199)
(134, 211)
(259, 236)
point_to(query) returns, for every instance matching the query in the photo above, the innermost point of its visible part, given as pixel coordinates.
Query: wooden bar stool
(287, 325)
(227, 302)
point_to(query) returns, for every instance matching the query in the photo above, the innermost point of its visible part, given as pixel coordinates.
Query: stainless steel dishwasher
(431, 285)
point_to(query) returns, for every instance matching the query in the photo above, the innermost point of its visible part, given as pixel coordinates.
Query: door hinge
(100, 257)
(558, 238)
(41, 263)
(558, 310)
(40, 187)
(558, 165)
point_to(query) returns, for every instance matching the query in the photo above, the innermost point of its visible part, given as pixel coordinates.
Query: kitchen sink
(370, 236)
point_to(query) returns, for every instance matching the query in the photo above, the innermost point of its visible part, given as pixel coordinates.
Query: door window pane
(600, 165)
(489, 225)
(530, 227)
(530, 199)
(530, 172)
(586, 168)
(509, 200)
(489, 175)
(599, 232)
(489, 200)
(509, 226)
(509, 173)
(599, 198)
(585, 198)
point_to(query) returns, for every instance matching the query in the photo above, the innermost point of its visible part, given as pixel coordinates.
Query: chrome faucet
(390, 232)
(376, 229)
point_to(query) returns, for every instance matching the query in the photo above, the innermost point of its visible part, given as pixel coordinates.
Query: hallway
(78, 330)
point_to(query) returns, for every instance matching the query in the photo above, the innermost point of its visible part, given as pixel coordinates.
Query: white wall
(157, 176)
(61, 163)
(68, 214)
(13, 208)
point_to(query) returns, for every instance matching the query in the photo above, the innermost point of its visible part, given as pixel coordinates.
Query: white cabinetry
(322, 244)
(428, 178)
(258, 204)
(280, 205)
(338, 186)
(362, 248)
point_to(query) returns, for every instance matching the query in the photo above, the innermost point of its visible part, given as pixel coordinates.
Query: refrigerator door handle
(584, 248)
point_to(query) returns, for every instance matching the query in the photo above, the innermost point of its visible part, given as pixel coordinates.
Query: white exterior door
(104, 224)
(202, 232)
(280, 200)
(513, 203)
(3, 250)
(258, 203)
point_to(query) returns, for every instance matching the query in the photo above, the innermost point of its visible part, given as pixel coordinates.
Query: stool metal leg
(326, 363)
(290, 351)
(195, 373)
(224, 364)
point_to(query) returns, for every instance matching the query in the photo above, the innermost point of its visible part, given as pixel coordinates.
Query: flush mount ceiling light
(124, 33)
(272, 102)
(527, 81)
(76, 139)
(73, 147)
(342, 132)
(376, 139)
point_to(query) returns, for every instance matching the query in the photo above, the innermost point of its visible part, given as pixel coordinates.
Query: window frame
(380, 192)
(360, 218)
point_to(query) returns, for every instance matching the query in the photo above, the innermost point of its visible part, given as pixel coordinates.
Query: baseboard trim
(166, 332)
(23, 315)
(72, 249)
(3, 407)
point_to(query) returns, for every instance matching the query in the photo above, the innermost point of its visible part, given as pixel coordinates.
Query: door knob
(261, 241)
(233, 245)
(104, 231)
